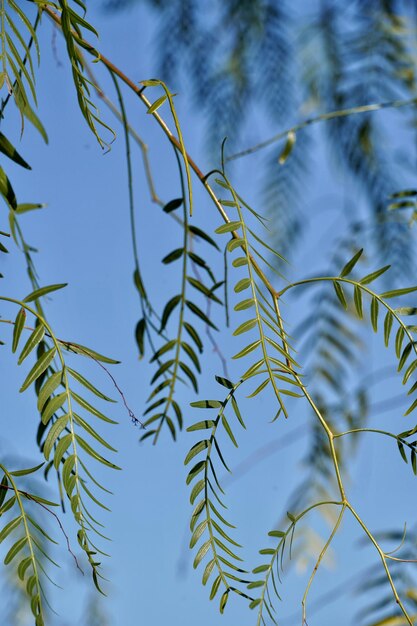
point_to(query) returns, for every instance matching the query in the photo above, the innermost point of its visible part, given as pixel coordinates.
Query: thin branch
(142, 145)
(322, 118)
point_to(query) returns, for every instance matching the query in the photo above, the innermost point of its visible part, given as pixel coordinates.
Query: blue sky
(83, 238)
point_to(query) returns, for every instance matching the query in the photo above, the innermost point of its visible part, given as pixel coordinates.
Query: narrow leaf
(351, 264)
(40, 366)
(42, 291)
(18, 327)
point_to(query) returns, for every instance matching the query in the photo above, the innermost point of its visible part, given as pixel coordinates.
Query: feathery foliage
(294, 353)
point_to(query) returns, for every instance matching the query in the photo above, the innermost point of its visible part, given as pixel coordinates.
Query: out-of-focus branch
(142, 145)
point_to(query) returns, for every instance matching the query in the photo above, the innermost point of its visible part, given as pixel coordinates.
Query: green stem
(354, 283)
(80, 517)
(28, 535)
(320, 558)
(174, 376)
(255, 299)
(383, 560)
(297, 518)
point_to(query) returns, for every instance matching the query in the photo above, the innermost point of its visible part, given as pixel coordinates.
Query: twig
(142, 145)
(321, 118)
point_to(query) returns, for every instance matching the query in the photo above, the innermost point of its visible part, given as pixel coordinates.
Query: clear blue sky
(83, 238)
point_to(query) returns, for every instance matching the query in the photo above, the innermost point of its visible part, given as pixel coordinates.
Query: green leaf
(173, 205)
(14, 523)
(223, 601)
(196, 449)
(208, 570)
(28, 112)
(168, 309)
(399, 341)
(28, 206)
(206, 404)
(200, 233)
(137, 279)
(242, 284)
(34, 338)
(26, 472)
(387, 327)
(288, 147)
(227, 428)
(52, 406)
(198, 487)
(91, 409)
(260, 569)
(54, 432)
(410, 369)
(10, 151)
(402, 451)
(86, 383)
(259, 388)
(155, 106)
(405, 355)
(411, 408)
(3, 490)
(245, 327)
(191, 354)
(201, 553)
(42, 291)
(162, 369)
(234, 243)
(18, 327)
(48, 388)
(94, 454)
(351, 264)
(398, 292)
(92, 354)
(404, 193)
(247, 349)
(199, 313)
(403, 204)
(23, 566)
(14, 550)
(406, 310)
(173, 256)
(140, 336)
(61, 448)
(340, 293)
(6, 190)
(244, 304)
(357, 297)
(165, 348)
(40, 366)
(237, 412)
(374, 313)
(187, 371)
(215, 586)
(369, 278)
(224, 382)
(204, 425)
(203, 289)
(194, 471)
(198, 532)
(228, 227)
(194, 336)
(240, 261)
